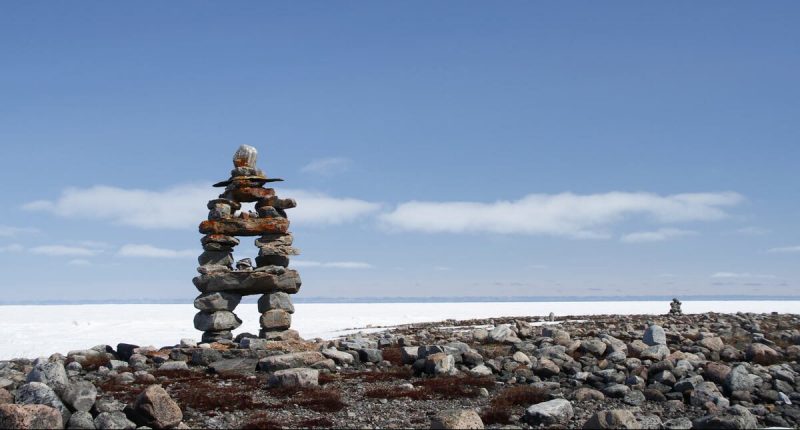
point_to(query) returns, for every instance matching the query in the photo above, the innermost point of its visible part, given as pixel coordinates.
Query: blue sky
(434, 148)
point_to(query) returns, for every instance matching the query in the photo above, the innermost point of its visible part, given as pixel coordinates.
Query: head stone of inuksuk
(222, 282)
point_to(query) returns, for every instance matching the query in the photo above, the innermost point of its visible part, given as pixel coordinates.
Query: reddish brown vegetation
(314, 398)
(390, 374)
(393, 355)
(396, 393)
(499, 409)
(316, 422)
(202, 392)
(261, 420)
(454, 387)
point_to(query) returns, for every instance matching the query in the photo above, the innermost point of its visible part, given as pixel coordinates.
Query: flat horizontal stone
(276, 239)
(244, 227)
(221, 239)
(219, 320)
(248, 194)
(289, 361)
(276, 203)
(246, 283)
(234, 366)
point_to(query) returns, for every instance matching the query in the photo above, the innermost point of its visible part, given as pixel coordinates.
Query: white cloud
(177, 207)
(184, 206)
(14, 247)
(61, 251)
(79, 262)
(149, 251)
(9, 231)
(739, 275)
(318, 208)
(332, 265)
(565, 214)
(752, 231)
(655, 236)
(785, 249)
(327, 166)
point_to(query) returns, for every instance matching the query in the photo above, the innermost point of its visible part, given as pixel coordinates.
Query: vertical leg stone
(274, 301)
(276, 320)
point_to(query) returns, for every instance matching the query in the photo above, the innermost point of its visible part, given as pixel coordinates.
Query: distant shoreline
(468, 299)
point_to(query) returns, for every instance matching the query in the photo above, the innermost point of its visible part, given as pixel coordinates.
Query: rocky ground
(690, 371)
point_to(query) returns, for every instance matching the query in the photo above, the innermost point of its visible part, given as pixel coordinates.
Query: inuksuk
(221, 282)
(675, 307)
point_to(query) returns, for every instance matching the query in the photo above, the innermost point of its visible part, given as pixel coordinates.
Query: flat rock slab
(244, 227)
(234, 366)
(248, 283)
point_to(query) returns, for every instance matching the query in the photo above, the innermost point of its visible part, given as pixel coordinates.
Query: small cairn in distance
(675, 307)
(221, 282)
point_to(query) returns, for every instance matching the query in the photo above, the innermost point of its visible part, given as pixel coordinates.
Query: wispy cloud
(9, 231)
(332, 265)
(150, 251)
(752, 231)
(785, 249)
(14, 247)
(177, 207)
(65, 251)
(656, 236)
(565, 214)
(327, 166)
(183, 206)
(740, 275)
(79, 262)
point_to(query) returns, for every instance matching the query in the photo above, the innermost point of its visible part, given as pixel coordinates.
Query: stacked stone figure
(221, 282)
(675, 307)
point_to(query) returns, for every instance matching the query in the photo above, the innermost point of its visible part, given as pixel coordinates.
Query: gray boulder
(655, 335)
(288, 361)
(113, 421)
(216, 321)
(298, 377)
(734, 417)
(218, 301)
(654, 353)
(81, 420)
(557, 411)
(154, 408)
(80, 396)
(612, 419)
(51, 373)
(457, 419)
(739, 379)
(340, 357)
(273, 301)
(234, 366)
(38, 393)
(707, 392)
(440, 364)
(503, 334)
(370, 355)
